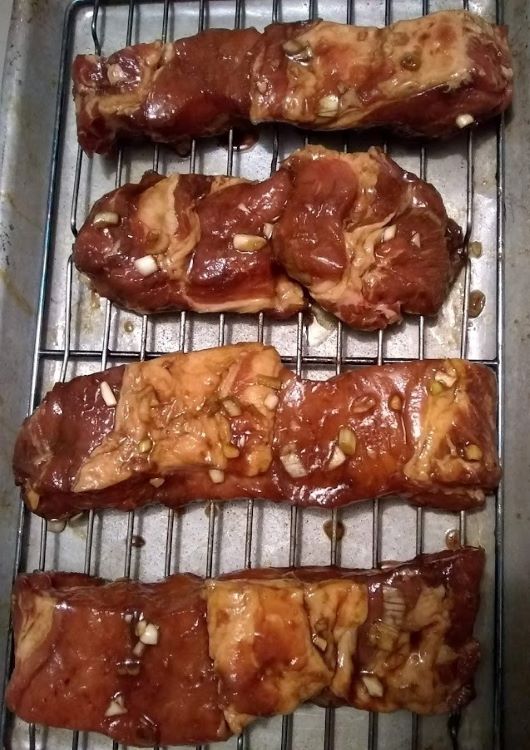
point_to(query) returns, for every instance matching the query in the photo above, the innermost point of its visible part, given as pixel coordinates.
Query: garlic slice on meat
(373, 685)
(150, 635)
(232, 407)
(116, 707)
(217, 476)
(347, 441)
(271, 401)
(328, 106)
(248, 243)
(105, 219)
(115, 73)
(337, 458)
(389, 233)
(107, 394)
(146, 265)
(462, 121)
(472, 452)
(293, 465)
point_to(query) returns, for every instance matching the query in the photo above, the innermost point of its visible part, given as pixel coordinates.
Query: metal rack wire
(298, 361)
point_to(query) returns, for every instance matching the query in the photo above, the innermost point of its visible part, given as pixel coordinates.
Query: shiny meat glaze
(232, 422)
(215, 654)
(368, 240)
(186, 225)
(415, 76)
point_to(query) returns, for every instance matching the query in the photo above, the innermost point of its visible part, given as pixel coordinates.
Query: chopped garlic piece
(232, 407)
(248, 243)
(395, 402)
(106, 393)
(293, 465)
(105, 219)
(389, 233)
(139, 649)
(217, 476)
(33, 497)
(328, 106)
(337, 458)
(271, 401)
(116, 707)
(157, 482)
(372, 685)
(146, 265)
(150, 635)
(115, 73)
(463, 121)
(347, 441)
(416, 239)
(145, 445)
(472, 452)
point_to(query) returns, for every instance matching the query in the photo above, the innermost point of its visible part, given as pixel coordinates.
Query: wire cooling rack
(79, 333)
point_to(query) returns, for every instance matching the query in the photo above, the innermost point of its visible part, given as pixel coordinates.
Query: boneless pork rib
(427, 76)
(193, 661)
(368, 240)
(232, 422)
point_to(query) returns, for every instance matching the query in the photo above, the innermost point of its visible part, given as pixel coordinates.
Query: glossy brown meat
(187, 227)
(222, 652)
(367, 239)
(164, 92)
(427, 76)
(232, 422)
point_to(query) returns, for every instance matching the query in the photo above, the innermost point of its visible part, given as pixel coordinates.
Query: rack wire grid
(78, 333)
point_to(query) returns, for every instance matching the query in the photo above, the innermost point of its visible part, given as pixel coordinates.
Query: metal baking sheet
(44, 301)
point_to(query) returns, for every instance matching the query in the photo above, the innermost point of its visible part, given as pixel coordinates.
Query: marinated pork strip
(232, 422)
(192, 661)
(368, 240)
(429, 76)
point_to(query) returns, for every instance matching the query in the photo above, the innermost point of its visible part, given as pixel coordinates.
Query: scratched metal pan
(52, 327)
